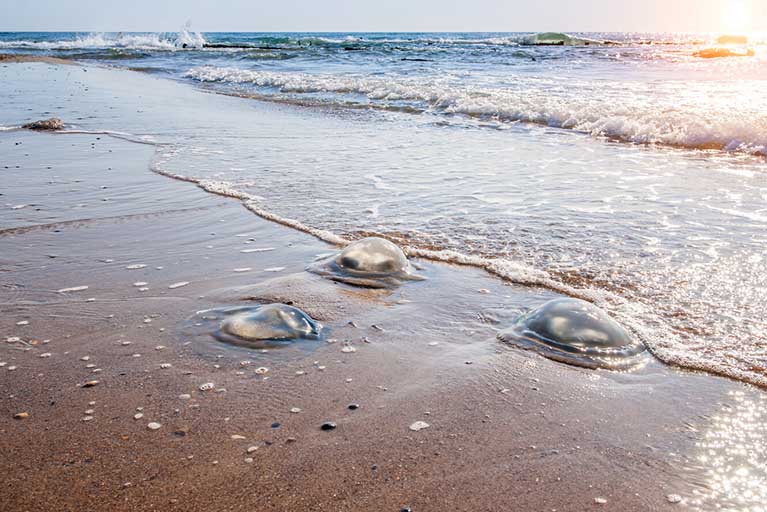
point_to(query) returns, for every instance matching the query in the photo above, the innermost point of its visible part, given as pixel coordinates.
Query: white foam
(100, 40)
(671, 115)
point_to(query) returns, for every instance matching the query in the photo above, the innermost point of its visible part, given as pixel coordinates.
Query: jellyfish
(266, 325)
(371, 262)
(576, 332)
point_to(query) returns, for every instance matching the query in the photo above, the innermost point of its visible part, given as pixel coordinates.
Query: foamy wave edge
(638, 124)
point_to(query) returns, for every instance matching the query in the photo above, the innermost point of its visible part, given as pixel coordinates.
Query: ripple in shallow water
(576, 332)
(372, 262)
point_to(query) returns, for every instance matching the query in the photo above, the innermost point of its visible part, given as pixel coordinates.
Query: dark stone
(275, 425)
(53, 124)
(328, 425)
(353, 407)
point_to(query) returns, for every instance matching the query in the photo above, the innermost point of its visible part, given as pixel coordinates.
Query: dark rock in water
(267, 324)
(372, 262)
(51, 124)
(353, 407)
(719, 53)
(576, 332)
(328, 425)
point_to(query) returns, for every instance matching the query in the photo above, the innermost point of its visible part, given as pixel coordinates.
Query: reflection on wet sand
(733, 453)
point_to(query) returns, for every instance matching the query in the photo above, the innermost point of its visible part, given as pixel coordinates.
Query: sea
(625, 169)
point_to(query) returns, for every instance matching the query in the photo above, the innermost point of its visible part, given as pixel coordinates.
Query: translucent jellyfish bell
(576, 332)
(270, 324)
(372, 262)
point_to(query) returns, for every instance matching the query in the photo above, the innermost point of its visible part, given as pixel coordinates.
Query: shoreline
(509, 430)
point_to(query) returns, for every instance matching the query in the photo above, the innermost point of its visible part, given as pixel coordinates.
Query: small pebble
(207, 386)
(73, 289)
(419, 425)
(600, 501)
(138, 416)
(184, 396)
(328, 425)
(237, 437)
(262, 370)
(90, 383)
(153, 426)
(248, 460)
(21, 415)
(674, 498)
(251, 449)
(353, 407)
(348, 349)
(295, 410)
(47, 354)
(178, 285)
(88, 418)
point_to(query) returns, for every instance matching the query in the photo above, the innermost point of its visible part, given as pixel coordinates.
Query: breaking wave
(100, 41)
(622, 111)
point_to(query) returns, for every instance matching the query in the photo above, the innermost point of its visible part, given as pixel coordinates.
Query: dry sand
(508, 430)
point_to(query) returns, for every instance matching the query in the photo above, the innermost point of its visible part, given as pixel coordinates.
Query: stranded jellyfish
(267, 325)
(576, 332)
(372, 262)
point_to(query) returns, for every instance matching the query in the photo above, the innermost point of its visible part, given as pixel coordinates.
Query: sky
(385, 15)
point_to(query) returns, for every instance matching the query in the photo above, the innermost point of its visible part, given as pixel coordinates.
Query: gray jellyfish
(576, 332)
(371, 262)
(270, 324)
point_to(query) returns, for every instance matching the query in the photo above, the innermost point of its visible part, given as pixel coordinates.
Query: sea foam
(672, 115)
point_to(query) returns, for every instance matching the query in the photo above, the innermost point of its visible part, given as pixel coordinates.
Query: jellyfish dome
(576, 332)
(371, 262)
(267, 324)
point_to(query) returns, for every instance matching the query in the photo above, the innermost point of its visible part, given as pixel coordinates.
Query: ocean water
(625, 169)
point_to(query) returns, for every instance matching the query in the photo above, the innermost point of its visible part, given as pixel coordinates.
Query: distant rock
(731, 39)
(52, 124)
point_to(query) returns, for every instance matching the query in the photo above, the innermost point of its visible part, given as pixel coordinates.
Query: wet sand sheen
(509, 430)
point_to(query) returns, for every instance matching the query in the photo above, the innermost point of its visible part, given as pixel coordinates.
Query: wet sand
(509, 430)
(6, 58)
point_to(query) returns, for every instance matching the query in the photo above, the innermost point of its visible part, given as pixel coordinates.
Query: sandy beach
(105, 266)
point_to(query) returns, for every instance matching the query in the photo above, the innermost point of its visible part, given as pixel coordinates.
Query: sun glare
(736, 16)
